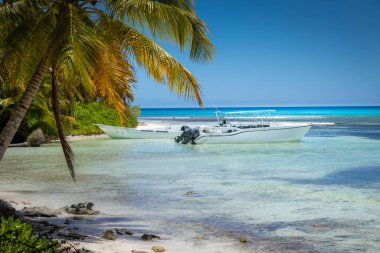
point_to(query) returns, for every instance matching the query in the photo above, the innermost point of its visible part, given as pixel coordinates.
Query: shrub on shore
(85, 115)
(81, 120)
(17, 237)
(36, 138)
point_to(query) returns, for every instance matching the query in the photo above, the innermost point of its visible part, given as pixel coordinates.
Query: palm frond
(67, 151)
(114, 77)
(11, 50)
(6, 102)
(75, 46)
(23, 48)
(110, 91)
(15, 12)
(167, 20)
(10, 15)
(160, 65)
(187, 5)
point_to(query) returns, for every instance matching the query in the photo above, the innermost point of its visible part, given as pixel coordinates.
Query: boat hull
(132, 133)
(256, 135)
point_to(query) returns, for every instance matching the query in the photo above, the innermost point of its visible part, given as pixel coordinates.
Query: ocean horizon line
(274, 106)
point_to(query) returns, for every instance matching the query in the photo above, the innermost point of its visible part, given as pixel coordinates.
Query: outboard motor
(187, 135)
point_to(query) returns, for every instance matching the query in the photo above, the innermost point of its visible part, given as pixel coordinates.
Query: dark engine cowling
(187, 135)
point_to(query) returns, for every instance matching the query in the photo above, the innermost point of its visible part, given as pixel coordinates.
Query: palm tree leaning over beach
(88, 48)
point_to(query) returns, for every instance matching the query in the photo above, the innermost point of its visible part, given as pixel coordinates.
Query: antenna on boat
(213, 104)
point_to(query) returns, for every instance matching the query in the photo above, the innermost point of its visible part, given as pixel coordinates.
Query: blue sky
(282, 53)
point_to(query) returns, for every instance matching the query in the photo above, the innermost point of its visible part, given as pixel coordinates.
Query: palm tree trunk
(67, 151)
(18, 114)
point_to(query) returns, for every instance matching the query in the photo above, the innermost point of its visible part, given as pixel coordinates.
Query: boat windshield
(246, 119)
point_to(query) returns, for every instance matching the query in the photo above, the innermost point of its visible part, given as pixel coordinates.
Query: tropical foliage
(17, 237)
(86, 114)
(78, 117)
(39, 115)
(88, 47)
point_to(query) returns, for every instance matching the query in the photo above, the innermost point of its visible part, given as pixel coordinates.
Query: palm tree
(89, 47)
(39, 114)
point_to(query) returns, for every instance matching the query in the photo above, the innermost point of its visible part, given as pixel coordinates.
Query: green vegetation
(17, 237)
(86, 115)
(39, 115)
(78, 117)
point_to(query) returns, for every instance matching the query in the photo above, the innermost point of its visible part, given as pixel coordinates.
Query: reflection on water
(319, 195)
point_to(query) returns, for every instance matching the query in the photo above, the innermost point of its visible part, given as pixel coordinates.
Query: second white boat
(143, 131)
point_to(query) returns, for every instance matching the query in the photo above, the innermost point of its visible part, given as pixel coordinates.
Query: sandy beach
(89, 231)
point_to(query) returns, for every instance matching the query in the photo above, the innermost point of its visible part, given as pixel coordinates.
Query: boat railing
(247, 119)
(217, 130)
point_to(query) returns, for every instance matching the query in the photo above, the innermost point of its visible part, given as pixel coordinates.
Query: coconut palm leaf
(7, 102)
(23, 48)
(114, 77)
(168, 19)
(160, 65)
(67, 151)
(187, 5)
(13, 12)
(75, 46)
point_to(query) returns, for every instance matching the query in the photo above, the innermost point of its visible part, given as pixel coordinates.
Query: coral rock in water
(158, 249)
(243, 239)
(148, 237)
(81, 208)
(109, 235)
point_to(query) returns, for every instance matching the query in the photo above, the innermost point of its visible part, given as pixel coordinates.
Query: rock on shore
(71, 232)
(6, 209)
(109, 234)
(158, 249)
(148, 237)
(40, 212)
(84, 208)
(36, 138)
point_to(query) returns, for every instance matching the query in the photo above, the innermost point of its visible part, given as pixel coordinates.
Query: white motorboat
(233, 127)
(246, 127)
(142, 131)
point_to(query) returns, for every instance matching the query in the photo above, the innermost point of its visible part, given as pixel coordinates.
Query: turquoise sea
(279, 111)
(319, 195)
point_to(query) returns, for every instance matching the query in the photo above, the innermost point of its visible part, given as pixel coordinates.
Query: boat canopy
(261, 118)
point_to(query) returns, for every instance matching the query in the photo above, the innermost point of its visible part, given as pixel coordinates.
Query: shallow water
(318, 195)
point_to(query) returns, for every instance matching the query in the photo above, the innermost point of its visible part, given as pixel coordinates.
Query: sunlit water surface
(318, 195)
